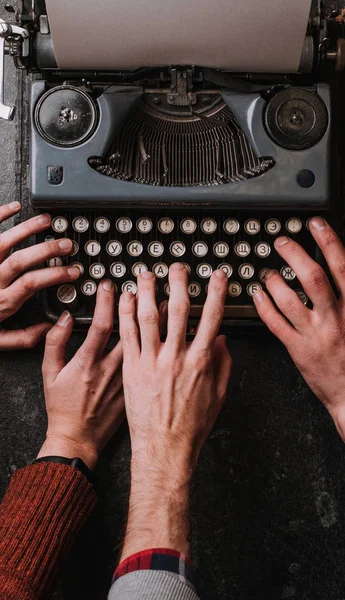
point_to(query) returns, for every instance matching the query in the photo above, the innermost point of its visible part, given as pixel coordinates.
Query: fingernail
(15, 205)
(65, 245)
(73, 272)
(281, 241)
(108, 286)
(259, 296)
(317, 223)
(220, 274)
(44, 220)
(64, 319)
(269, 274)
(147, 275)
(177, 267)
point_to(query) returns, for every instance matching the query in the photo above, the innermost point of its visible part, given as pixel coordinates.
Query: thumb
(56, 344)
(23, 339)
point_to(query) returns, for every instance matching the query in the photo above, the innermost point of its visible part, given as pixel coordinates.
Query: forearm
(42, 512)
(158, 510)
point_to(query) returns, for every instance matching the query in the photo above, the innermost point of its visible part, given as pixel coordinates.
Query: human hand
(84, 398)
(314, 338)
(174, 392)
(16, 288)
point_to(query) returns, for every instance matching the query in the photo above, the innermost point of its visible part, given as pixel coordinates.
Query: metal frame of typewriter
(29, 43)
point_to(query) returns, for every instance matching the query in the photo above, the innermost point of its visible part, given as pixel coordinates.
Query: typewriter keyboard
(121, 245)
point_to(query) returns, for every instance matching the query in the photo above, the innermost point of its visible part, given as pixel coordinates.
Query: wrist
(68, 448)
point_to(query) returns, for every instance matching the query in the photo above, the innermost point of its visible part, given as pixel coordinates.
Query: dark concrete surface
(269, 493)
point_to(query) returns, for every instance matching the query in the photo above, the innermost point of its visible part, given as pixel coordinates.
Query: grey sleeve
(151, 585)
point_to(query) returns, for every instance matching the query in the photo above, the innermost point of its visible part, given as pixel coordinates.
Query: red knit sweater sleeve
(43, 510)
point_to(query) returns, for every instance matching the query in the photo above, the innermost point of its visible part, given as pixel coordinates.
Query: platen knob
(296, 118)
(66, 116)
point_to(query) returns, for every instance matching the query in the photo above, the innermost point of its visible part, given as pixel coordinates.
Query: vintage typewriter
(144, 167)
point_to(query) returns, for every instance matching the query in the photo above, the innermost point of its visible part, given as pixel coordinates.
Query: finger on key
(33, 281)
(8, 210)
(213, 312)
(129, 332)
(178, 307)
(275, 322)
(287, 300)
(20, 232)
(312, 277)
(23, 339)
(22, 260)
(332, 249)
(147, 313)
(56, 346)
(102, 323)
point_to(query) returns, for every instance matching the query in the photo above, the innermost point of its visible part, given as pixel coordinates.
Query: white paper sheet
(239, 35)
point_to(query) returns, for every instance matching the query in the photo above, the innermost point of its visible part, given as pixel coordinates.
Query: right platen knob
(296, 118)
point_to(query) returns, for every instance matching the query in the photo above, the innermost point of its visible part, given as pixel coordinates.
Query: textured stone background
(269, 493)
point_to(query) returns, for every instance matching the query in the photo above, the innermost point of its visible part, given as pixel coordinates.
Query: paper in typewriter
(251, 35)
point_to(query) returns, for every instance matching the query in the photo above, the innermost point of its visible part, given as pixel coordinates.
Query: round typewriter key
(92, 248)
(155, 249)
(234, 289)
(160, 270)
(129, 286)
(88, 288)
(252, 227)
(102, 225)
(246, 271)
(60, 224)
(188, 268)
(302, 296)
(66, 116)
(242, 249)
(138, 268)
(167, 289)
(66, 293)
(177, 249)
(135, 248)
(262, 274)
(114, 248)
(188, 226)
(273, 226)
(221, 249)
(231, 226)
(226, 268)
(294, 225)
(97, 270)
(287, 273)
(124, 225)
(252, 288)
(194, 289)
(55, 262)
(49, 238)
(75, 248)
(79, 266)
(208, 226)
(144, 225)
(200, 249)
(80, 224)
(166, 225)
(204, 270)
(262, 249)
(118, 269)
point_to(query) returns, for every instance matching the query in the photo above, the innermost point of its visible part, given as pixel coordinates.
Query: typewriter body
(181, 163)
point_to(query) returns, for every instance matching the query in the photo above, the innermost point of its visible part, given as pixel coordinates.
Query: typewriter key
(246, 271)
(231, 226)
(200, 249)
(129, 286)
(79, 266)
(177, 249)
(114, 248)
(80, 224)
(55, 262)
(226, 268)
(188, 226)
(252, 288)
(273, 226)
(221, 249)
(75, 248)
(262, 249)
(118, 269)
(242, 249)
(252, 227)
(144, 225)
(302, 296)
(155, 249)
(294, 225)
(188, 268)
(262, 274)
(204, 270)
(287, 273)
(234, 289)
(66, 293)
(166, 225)
(167, 289)
(160, 270)
(97, 270)
(135, 248)
(194, 289)
(88, 288)
(138, 268)
(92, 248)
(66, 116)
(208, 226)
(59, 224)
(124, 225)
(296, 118)
(102, 225)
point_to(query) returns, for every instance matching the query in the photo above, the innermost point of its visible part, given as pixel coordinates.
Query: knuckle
(15, 263)
(102, 328)
(316, 277)
(128, 334)
(341, 266)
(288, 304)
(179, 308)
(148, 317)
(329, 238)
(292, 248)
(28, 283)
(276, 327)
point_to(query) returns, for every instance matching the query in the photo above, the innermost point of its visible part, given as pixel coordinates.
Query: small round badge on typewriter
(296, 118)
(66, 116)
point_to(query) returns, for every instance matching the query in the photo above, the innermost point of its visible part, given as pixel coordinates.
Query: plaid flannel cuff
(159, 559)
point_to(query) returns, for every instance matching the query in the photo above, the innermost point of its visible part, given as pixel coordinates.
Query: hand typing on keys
(174, 392)
(16, 288)
(314, 338)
